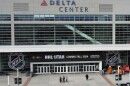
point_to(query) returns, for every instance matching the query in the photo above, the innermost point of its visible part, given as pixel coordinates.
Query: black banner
(65, 56)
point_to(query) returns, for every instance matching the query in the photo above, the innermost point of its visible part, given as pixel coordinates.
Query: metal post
(118, 74)
(8, 81)
(129, 78)
(118, 80)
(18, 76)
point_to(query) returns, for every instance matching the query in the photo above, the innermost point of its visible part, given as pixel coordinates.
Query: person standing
(87, 76)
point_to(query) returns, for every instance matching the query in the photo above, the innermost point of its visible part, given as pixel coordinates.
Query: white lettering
(48, 57)
(95, 56)
(52, 2)
(59, 56)
(63, 2)
(73, 9)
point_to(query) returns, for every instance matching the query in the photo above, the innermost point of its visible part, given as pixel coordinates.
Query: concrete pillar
(100, 65)
(12, 30)
(31, 67)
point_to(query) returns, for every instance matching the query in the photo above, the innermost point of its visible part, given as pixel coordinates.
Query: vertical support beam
(66, 69)
(113, 30)
(12, 30)
(100, 65)
(8, 80)
(31, 67)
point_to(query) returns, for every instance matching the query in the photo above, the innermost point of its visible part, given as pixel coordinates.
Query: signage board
(65, 56)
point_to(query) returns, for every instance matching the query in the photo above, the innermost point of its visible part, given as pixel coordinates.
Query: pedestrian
(60, 79)
(63, 78)
(103, 72)
(66, 79)
(87, 76)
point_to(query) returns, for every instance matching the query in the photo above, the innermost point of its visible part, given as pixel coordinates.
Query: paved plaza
(4, 79)
(95, 79)
(77, 79)
(125, 78)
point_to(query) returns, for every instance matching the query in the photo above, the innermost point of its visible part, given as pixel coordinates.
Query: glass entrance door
(89, 68)
(66, 69)
(43, 69)
(73, 69)
(60, 69)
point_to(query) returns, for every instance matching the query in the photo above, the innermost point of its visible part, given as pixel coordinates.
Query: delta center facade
(64, 36)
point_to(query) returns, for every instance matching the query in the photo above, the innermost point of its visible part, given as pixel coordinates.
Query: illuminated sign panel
(65, 5)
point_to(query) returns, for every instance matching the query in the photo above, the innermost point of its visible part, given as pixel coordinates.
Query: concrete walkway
(125, 78)
(78, 79)
(4, 79)
(95, 79)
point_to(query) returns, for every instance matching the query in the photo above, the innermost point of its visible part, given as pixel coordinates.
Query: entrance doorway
(60, 69)
(65, 67)
(73, 69)
(89, 68)
(43, 69)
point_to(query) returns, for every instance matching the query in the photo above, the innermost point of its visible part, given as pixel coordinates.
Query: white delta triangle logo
(43, 3)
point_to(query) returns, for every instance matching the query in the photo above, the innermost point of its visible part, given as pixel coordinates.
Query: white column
(8, 81)
(17, 73)
(66, 69)
(12, 30)
(113, 30)
(31, 67)
(100, 65)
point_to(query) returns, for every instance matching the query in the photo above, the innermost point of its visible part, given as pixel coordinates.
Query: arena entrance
(65, 67)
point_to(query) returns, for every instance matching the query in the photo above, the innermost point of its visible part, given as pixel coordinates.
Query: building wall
(34, 6)
(112, 58)
(38, 8)
(64, 25)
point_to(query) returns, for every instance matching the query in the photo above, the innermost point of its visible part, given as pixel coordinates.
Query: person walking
(63, 78)
(60, 79)
(87, 76)
(66, 79)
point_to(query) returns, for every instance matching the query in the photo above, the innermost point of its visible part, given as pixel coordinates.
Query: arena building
(64, 36)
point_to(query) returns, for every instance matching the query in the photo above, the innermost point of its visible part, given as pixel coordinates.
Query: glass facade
(122, 33)
(100, 31)
(5, 34)
(122, 17)
(63, 34)
(5, 17)
(67, 17)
